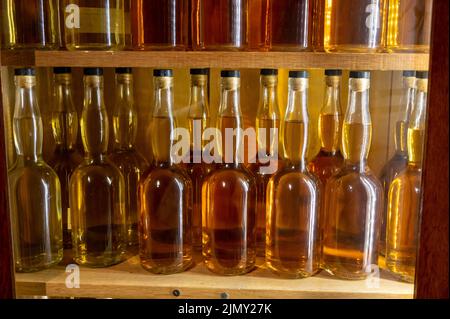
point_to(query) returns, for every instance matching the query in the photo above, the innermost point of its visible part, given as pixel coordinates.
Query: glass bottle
(329, 159)
(353, 196)
(165, 193)
(229, 193)
(219, 24)
(258, 24)
(130, 162)
(409, 25)
(405, 194)
(94, 25)
(30, 24)
(34, 189)
(292, 240)
(354, 25)
(399, 161)
(267, 132)
(97, 188)
(198, 118)
(159, 24)
(65, 130)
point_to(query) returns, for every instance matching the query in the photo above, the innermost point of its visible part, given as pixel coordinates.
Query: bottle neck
(330, 116)
(268, 117)
(124, 116)
(198, 116)
(402, 123)
(417, 125)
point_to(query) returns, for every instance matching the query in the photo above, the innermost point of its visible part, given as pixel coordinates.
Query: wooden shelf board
(130, 280)
(178, 59)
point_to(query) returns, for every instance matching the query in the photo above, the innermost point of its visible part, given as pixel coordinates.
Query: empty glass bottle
(34, 188)
(97, 188)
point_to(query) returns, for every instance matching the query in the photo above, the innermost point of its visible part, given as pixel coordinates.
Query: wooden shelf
(130, 280)
(177, 59)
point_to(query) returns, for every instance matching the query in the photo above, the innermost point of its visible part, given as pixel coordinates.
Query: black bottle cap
(268, 72)
(199, 71)
(124, 70)
(93, 71)
(422, 74)
(333, 72)
(163, 72)
(62, 70)
(360, 74)
(409, 73)
(299, 74)
(230, 74)
(24, 72)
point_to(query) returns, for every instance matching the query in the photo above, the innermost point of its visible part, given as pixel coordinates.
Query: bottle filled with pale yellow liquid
(34, 188)
(293, 194)
(353, 196)
(97, 188)
(404, 200)
(165, 193)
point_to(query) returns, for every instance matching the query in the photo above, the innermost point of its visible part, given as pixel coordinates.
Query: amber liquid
(159, 24)
(219, 24)
(258, 32)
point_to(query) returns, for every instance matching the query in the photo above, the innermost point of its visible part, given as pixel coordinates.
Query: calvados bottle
(30, 24)
(94, 25)
(159, 24)
(65, 130)
(404, 201)
(198, 118)
(165, 193)
(268, 161)
(97, 188)
(229, 193)
(34, 188)
(292, 240)
(130, 162)
(399, 161)
(353, 196)
(409, 25)
(219, 24)
(353, 25)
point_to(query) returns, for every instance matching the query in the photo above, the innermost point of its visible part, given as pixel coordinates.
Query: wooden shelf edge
(219, 59)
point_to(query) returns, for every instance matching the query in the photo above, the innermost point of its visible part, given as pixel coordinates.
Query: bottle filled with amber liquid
(329, 159)
(404, 200)
(229, 192)
(29, 24)
(34, 188)
(97, 188)
(268, 161)
(65, 130)
(409, 25)
(159, 24)
(165, 192)
(219, 24)
(399, 161)
(353, 196)
(198, 118)
(293, 194)
(130, 162)
(94, 25)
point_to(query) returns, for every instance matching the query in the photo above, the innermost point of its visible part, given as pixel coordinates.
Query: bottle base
(36, 266)
(350, 48)
(342, 272)
(94, 47)
(289, 274)
(100, 262)
(150, 266)
(409, 49)
(212, 267)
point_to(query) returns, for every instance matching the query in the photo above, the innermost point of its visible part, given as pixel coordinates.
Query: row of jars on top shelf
(288, 25)
(301, 216)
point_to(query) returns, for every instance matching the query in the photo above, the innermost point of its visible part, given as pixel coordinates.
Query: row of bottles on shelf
(301, 216)
(288, 25)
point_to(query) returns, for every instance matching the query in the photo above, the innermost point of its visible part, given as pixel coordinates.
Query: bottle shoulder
(33, 171)
(166, 174)
(92, 168)
(129, 159)
(229, 174)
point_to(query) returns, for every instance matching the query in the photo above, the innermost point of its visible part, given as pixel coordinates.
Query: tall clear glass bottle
(97, 188)
(34, 188)
(229, 194)
(198, 118)
(65, 130)
(267, 126)
(293, 194)
(130, 162)
(165, 193)
(399, 161)
(353, 196)
(94, 24)
(404, 201)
